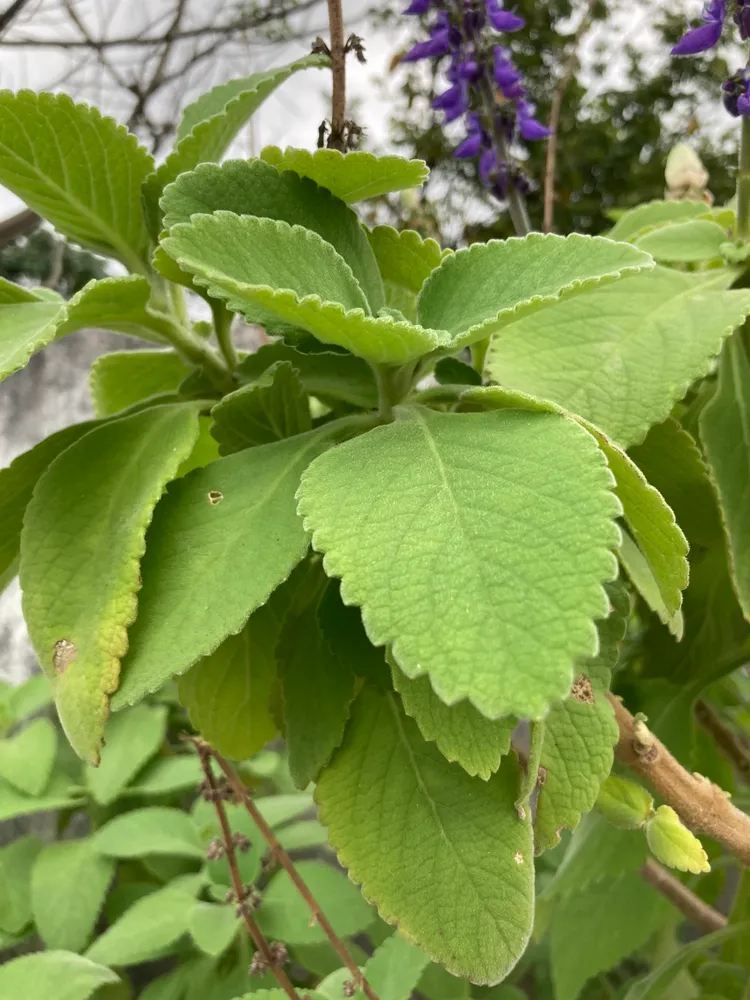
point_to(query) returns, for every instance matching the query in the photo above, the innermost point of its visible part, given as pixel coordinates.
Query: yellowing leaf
(673, 844)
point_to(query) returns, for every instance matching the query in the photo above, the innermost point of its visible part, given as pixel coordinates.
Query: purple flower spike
(743, 105)
(487, 165)
(438, 44)
(418, 7)
(503, 20)
(742, 19)
(505, 73)
(531, 129)
(454, 102)
(469, 148)
(707, 35)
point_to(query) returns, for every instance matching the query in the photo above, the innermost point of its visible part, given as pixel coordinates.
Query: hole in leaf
(214, 497)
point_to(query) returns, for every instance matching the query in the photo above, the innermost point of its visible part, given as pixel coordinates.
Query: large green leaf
(354, 177)
(79, 170)
(57, 974)
(620, 355)
(405, 260)
(222, 539)
(725, 433)
(684, 242)
(130, 741)
(441, 854)
(652, 214)
(252, 187)
(27, 324)
(488, 286)
(143, 832)
(272, 408)
(292, 273)
(57, 795)
(82, 540)
(16, 864)
(122, 378)
(27, 758)
(462, 734)
(210, 124)
(212, 927)
(68, 885)
(166, 775)
(474, 496)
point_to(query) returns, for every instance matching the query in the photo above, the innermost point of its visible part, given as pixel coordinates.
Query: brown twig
(10, 13)
(550, 170)
(271, 960)
(288, 865)
(336, 139)
(700, 804)
(729, 744)
(20, 224)
(700, 914)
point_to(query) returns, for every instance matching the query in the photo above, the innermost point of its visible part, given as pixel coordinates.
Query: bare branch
(17, 225)
(10, 13)
(731, 745)
(700, 914)
(336, 139)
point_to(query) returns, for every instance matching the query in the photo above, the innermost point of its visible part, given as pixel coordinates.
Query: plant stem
(287, 864)
(519, 215)
(338, 71)
(700, 914)
(743, 183)
(204, 755)
(223, 327)
(197, 352)
(729, 743)
(531, 776)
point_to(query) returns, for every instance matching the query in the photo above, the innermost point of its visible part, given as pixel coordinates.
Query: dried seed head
(241, 842)
(216, 850)
(250, 900)
(258, 965)
(348, 989)
(278, 952)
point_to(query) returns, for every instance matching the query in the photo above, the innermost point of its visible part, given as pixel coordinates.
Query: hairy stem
(197, 352)
(223, 327)
(743, 183)
(519, 215)
(338, 71)
(700, 804)
(287, 864)
(698, 913)
(730, 744)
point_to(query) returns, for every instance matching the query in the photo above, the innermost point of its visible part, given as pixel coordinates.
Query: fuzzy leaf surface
(471, 486)
(484, 288)
(652, 214)
(130, 741)
(212, 927)
(292, 273)
(354, 177)
(151, 830)
(121, 378)
(405, 261)
(57, 974)
(57, 795)
(272, 408)
(16, 864)
(453, 866)
(208, 561)
(725, 432)
(684, 242)
(27, 757)
(79, 599)
(623, 354)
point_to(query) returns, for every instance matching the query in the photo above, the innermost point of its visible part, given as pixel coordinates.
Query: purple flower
(707, 35)
(742, 18)
(454, 102)
(438, 44)
(528, 126)
(505, 73)
(503, 20)
(418, 7)
(470, 148)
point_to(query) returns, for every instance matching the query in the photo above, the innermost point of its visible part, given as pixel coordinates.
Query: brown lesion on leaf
(65, 652)
(582, 690)
(214, 497)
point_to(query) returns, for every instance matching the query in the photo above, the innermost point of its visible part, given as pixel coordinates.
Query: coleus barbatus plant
(319, 539)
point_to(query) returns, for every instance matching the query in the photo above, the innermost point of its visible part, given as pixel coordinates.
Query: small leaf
(30, 697)
(285, 915)
(652, 214)
(27, 759)
(684, 242)
(624, 803)
(122, 378)
(167, 775)
(395, 968)
(596, 353)
(474, 911)
(212, 927)
(211, 534)
(725, 433)
(16, 864)
(272, 408)
(68, 885)
(26, 325)
(57, 795)
(642, 577)
(405, 261)
(474, 483)
(86, 186)
(488, 286)
(673, 844)
(55, 974)
(130, 741)
(462, 734)
(153, 830)
(80, 598)
(298, 278)
(354, 177)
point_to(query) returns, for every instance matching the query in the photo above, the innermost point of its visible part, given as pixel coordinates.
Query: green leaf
(212, 927)
(57, 795)
(624, 803)
(80, 598)
(462, 734)
(152, 830)
(354, 177)
(642, 577)
(303, 835)
(284, 914)
(395, 968)
(405, 261)
(652, 214)
(208, 561)
(88, 185)
(317, 690)
(673, 844)
(474, 484)
(210, 124)
(683, 242)
(228, 693)
(68, 885)
(16, 864)
(489, 286)
(131, 740)
(292, 273)
(345, 634)
(151, 925)
(31, 696)
(474, 911)
(272, 408)
(252, 187)
(55, 974)
(597, 353)
(592, 931)
(26, 325)
(27, 759)
(167, 775)
(122, 378)
(725, 433)
(328, 376)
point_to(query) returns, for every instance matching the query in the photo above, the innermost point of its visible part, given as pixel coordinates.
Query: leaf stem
(698, 913)
(223, 328)
(338, 72)
(536, 730)
(288, 865)
(197, 352)
(519, 215)
(743, 183)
